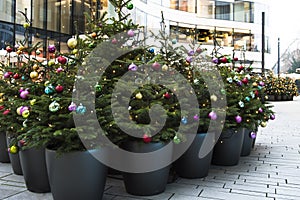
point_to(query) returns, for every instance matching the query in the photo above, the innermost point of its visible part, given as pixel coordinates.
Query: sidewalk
(272, 171)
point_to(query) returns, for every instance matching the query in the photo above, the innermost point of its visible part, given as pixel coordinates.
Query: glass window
(223, 10)
(6, 10)
(206, 9)
(243, 11)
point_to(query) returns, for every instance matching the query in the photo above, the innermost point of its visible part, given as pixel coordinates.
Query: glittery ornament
(5, 112)
(238, 119)
(81, 109)
(272, 117)
(132, 67)
(59, 88)
(51, 48)
(184, 120)
(254, 84)
(16, 76)
(72, 107)
(252, 135)
(247, 99)
(212, 115)
(22, 109)
(54, 106)
(223, 59)
(260, 110)
(6, 75)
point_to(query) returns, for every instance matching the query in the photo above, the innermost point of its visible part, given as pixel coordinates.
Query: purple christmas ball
(239, 83)
(252, 135)
(51, 48)
(132, 67)
(24, 94)
(261, 83)
(23, 108)
(196, 117)
(238, 119)
(72, 107)
(272, 117)
(191, 52)
(6, 75)
(260, 110)
(215, 60)
(188, 59)
(212, 115)
(130, 33)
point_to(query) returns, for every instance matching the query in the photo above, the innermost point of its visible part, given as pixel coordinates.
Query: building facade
(235, 25)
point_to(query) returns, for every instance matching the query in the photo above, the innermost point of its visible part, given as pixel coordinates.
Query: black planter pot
(228, 149)
(75, 175)
(33, 164)
(247, 143)
(148, 183)
(284, 97)
(189, 165)
(4, 157)
(278, 97)
(14, 159)
(271, 97)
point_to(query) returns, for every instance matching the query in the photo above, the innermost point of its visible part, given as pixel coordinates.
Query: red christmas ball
(22, 142)
(156, 66)
(59, 88)
(2, 107)
(146, 138)
(167, 95)
(16, 76)
(223, 59)
(235, 59)
(245, 80)
(256, 93)
(9, 49)
(62, 60)
(241, 68)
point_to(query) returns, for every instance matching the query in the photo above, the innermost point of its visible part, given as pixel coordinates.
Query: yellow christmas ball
(263, 124)
(51, 62)
(13, 149)
(32, 102)
(72, 43)
(164, 68)
(139, 95)
(19, 110)
(35, 67)
(255, 84)
(34, 74)
(25, 113)
(26, 25)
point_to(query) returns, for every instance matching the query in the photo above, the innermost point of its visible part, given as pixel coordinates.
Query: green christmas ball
(98, 88)
(129, 6)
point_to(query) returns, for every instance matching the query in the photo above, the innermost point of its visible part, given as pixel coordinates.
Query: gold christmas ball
(72, 43)
(139, 96)
(34, 74)
(164, 68)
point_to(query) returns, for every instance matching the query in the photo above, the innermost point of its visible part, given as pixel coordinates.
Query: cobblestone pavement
(272, 171)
